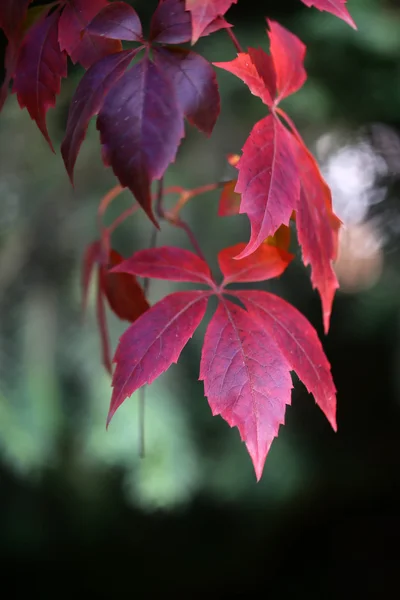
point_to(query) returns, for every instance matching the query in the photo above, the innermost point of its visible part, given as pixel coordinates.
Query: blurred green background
(79, 510)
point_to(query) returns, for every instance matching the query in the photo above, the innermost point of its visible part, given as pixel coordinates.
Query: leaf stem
(234, 39)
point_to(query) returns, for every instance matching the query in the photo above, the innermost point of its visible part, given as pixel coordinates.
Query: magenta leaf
(141, 126)
(88, 99)
(171, 23)
(40, 67)
(155, 341)
(117, 21)
(246, 378)
(298, 342)
(195, 85)
(166, 262)
(268, 180)
(82, 46)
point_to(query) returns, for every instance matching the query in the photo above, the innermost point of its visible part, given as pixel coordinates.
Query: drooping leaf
(336, 7)
(204, 12)
(167, 262)
(155, 341)
(195, 85)
(141, 126)
(316, 232)
(268, 180)
(117, 21)
(88, 99)
(266, 262)
(171, 23)
(298, 341)
(288, 54)
(124, 294)
(246, 378)
(82, 46)
(40, 67)
(255, 68)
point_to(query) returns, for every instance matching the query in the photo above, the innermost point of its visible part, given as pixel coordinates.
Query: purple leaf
(118, 21)
(171, 23)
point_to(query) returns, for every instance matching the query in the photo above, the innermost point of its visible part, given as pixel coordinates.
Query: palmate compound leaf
(141, 126)
(248, 353)
(336, 7)
(82, 46)
(317, 228)
(195, 85)
(268, 180)
(40, 67)
(88, 99)
(155, 341)
(204, 12)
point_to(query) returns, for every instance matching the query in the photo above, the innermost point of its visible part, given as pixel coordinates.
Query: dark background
(79, 511)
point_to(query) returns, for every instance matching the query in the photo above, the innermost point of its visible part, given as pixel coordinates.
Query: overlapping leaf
(336, 7)
(204, 12)
(40, 67)
(73, 37)
(277, 174)
(247, 354)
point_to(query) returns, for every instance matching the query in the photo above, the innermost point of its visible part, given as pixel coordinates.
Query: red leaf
(336, 7)
(154, 342)
(174, 264)
(216, 25)
(141, 126)
(266, 262)
(316, 233)
(298, 341)
(125, 296)
(171, 23)
(268, 180)
(288, 54)
(41, 64)
(117, 21)
(246, 378)
(195, 85)
(256, 70)
(81, 46)
(204, 12)
(229, 202)
(88, 99)
(12, 15)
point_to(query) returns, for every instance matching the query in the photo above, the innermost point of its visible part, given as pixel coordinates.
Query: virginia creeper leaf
(316, 233)
(204, 12)
(195, 85)
(40, 67)
(266, 262)
(141, 126)
(88, 99)
(255, 68)
(155, 341)
(246, 378)
(81, 46)
(216, 25)
(268, 180)
(165, 262)
(288, 54)
(171, 23)
(124, 294)
(117, 21)
(336, 7)
(298, 341)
